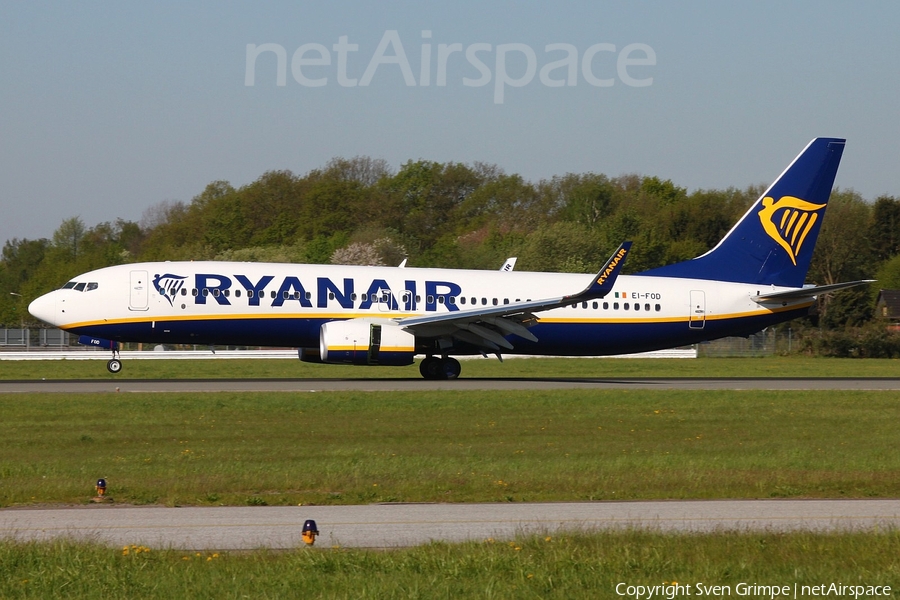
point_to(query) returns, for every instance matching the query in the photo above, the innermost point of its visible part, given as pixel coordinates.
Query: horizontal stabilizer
(808, 292)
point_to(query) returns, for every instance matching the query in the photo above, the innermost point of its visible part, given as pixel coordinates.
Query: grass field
(793, 366)
(289, 448)
(568, 566)
(348, 448)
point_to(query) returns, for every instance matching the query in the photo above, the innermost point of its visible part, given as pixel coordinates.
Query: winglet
(606, 277)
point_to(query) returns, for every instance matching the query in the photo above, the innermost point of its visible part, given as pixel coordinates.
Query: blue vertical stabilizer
(773, 242)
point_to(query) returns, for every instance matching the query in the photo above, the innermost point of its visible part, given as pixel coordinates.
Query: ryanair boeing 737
(752, 279)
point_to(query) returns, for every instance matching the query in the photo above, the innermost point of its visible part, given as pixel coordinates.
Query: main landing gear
(435, 367)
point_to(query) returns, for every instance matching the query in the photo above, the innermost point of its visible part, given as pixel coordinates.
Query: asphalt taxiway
(402, 525)
(463, 384)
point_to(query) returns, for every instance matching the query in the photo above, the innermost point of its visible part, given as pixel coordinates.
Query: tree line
(361, 211)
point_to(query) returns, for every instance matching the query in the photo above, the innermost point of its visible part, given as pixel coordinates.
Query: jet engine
(366, 342)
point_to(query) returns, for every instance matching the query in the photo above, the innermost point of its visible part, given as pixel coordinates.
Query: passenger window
(194, 292)
(285, 294)
(647, 307)
(440, 299)
(205, 291)
(227, 293)
(249, 293)
(594, 306)
(430, 299)
(658, 308)
(584, 304)
(606, 306)
(308, 295)
(184, 291)
(274, 294)
(331, 295)
(216, 292)
(237, 293)
(462, 300)
(615, 306)
(625, 306)
(484, 301)
(495, 302)
(79, 287)
(451, 300)
(637, 306)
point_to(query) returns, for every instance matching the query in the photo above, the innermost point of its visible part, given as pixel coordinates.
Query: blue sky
(108, 108)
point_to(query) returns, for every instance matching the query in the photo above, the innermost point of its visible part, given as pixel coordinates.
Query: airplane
(753, 278)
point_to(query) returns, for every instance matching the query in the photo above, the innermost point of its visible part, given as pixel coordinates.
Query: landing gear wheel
(114, 366)
(450, 368)
(435, 368)
(430, 368)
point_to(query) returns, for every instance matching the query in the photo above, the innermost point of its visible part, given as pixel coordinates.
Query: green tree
(69, 235)
(842, 250)
(885, 228)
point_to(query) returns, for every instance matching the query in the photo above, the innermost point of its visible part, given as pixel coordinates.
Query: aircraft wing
(808, 292)
(487, 327)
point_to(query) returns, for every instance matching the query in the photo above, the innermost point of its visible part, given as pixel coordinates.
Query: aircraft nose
(44, 308)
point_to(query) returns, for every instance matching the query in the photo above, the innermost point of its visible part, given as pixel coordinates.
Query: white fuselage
(266, 304)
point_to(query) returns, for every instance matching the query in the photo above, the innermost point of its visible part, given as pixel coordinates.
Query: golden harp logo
(788, 221)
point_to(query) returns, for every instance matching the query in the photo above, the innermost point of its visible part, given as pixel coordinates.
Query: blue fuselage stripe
(555, 338)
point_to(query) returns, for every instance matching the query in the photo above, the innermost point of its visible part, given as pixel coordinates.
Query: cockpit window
(91, 286)
(79, 287)
(69, 285)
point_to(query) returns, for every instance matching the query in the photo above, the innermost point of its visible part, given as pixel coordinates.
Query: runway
(403, 525)
(463, 384)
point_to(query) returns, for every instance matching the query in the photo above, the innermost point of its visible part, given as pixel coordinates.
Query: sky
(110, 108)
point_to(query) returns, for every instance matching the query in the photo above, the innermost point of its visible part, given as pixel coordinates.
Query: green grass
(567, 566)
(351, 448)
(514, 367)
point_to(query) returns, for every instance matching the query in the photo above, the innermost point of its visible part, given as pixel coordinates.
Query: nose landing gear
(114, 365)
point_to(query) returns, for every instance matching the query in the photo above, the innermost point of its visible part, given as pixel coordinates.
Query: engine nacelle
(366, 342)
